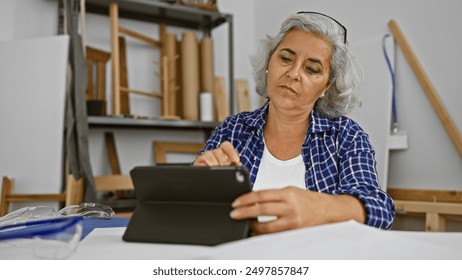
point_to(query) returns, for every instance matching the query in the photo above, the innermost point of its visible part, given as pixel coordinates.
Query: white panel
(32, 99)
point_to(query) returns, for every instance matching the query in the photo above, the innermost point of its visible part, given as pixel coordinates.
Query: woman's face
(298, 71)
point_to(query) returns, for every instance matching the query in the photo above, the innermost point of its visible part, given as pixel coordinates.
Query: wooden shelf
(161, 11)
(175, 15)
(122, 122)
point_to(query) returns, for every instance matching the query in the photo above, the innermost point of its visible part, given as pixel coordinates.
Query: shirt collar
(257, 119)
(318, 122)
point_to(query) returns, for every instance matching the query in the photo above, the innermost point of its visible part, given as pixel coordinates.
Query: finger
(258, 197)
(280, 224)
(259, 209)
(221, 158)
(231, 153)
(207, 159)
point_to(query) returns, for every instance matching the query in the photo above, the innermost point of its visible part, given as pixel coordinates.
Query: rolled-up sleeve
(358, 177)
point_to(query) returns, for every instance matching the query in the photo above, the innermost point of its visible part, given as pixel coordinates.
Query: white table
(340, 241)
(347, 240)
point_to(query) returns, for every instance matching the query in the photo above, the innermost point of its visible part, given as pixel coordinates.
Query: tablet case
(187, 204)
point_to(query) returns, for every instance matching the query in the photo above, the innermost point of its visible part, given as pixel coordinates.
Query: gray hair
(345, 75)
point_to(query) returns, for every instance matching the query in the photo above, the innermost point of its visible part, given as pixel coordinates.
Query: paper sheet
(347, 240)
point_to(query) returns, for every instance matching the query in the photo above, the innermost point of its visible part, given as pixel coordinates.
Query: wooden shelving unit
(166, 12)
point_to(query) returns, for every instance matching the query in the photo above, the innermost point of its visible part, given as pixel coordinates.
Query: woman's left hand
(294, 208)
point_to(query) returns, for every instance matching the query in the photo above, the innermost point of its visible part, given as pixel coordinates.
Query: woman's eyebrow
(311, 59)
(288, 50)
(315, 60)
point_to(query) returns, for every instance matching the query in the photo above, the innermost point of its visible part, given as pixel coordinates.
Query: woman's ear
(328, 87)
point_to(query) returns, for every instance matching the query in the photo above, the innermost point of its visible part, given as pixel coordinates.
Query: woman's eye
(285, 59)
(312, 70)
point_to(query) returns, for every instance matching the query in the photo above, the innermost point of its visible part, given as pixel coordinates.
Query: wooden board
(219, 96)
(243, 98)
(124, 95)
(112, 152)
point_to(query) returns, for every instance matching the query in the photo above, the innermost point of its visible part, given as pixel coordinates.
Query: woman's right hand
(222, 156)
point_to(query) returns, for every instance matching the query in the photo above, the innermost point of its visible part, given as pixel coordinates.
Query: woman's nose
(294, 73)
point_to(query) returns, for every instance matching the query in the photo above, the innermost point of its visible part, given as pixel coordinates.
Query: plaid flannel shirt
(338, 157)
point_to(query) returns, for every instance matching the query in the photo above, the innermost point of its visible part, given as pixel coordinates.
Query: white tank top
(277, 174)
(274, 173)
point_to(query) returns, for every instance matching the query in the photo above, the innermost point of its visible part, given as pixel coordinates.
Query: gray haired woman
(309, 164)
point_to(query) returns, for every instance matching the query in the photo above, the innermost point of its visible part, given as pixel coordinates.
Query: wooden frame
(100, 58)
(426, 195)
(435, 204)
(72, 195)
(120, 89)
(161, 148)
(242, 91)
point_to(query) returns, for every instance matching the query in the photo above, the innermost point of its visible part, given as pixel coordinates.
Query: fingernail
(232, 214)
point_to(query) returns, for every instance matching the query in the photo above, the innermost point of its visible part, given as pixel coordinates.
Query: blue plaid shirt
(338, 157)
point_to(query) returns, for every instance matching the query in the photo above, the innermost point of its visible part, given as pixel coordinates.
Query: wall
(432, 29)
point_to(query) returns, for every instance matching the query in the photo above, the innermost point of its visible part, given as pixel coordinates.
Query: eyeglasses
(321, 14)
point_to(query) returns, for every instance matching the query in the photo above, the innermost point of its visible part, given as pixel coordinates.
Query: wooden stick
(142, 92)
(140, 37)
(123, 77)
(114, 14)
(432, 95)
(7, 189)
(112, 152)
(165, 87)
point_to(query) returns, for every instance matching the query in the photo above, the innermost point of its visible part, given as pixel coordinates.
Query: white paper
(339, 241)
(206, 106)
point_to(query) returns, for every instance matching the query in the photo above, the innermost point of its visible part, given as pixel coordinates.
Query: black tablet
(187, 204)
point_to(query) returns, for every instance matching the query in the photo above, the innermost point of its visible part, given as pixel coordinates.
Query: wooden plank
(432, 94)
(426, 195)
(435, 222)
(443, 208)
(113, 183)
(97, 55)
(101, 81)
(165, 86)
(100, 58)
(161, 148)
(112, 152)
(179, 82)
(124, 96)
(170, 50)
(74, 190)
(7, 188)
(36, 197)
(219, 94)
(142, 92)
(90, 89)
(114, 19)
(139, 36)
(243, 99)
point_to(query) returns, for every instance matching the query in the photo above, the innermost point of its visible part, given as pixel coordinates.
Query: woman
(308, 163)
